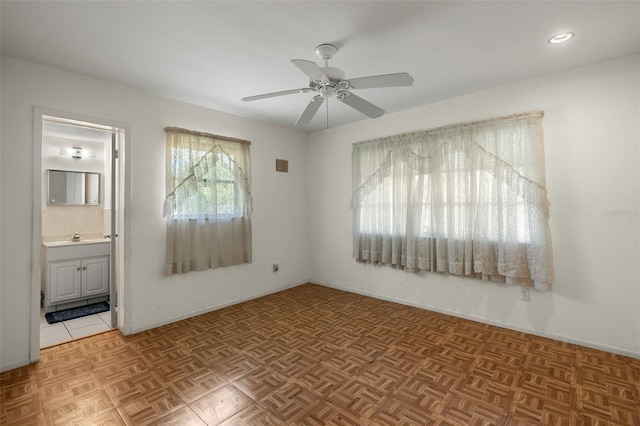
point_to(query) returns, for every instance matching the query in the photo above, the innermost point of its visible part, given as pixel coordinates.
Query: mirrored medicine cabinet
(73, 188)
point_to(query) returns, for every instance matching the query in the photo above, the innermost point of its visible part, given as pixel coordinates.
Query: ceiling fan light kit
(330, 82)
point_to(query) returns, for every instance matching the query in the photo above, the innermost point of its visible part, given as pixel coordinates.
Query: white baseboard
(213, 308)
(567, 339)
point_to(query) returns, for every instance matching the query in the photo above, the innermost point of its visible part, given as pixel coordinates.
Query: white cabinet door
(66, 279)
(95, 276)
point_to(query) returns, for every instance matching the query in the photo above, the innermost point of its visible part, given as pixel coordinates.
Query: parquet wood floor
(318, 356)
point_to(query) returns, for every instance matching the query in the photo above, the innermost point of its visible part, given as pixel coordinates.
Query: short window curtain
(208, 201)
(467, 199)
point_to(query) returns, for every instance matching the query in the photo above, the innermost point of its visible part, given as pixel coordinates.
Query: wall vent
(282, 166)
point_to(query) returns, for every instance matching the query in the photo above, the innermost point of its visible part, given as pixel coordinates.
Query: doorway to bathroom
(80, 227)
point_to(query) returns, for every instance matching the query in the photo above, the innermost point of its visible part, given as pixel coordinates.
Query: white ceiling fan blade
(310, 110)
(386, 80)
(365, 107)
(310, 68)
(274, 94)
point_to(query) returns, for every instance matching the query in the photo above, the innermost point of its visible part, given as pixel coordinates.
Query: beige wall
(61, 222)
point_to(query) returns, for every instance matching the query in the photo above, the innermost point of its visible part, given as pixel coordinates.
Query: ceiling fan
(330, 82)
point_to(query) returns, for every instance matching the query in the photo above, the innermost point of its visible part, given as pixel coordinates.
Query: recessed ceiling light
(561, 38)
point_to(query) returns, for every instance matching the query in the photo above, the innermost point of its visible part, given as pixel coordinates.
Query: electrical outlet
(275, 267)
(525, 294)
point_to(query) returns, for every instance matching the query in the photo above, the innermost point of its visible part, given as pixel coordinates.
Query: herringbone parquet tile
(317, 356)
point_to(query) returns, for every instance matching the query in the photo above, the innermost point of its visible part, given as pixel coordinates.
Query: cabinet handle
(78, 268)
(84, 269)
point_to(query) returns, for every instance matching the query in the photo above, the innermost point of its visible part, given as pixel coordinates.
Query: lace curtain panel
(208, 203)
(467, 199)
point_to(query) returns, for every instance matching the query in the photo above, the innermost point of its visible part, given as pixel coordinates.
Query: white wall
(592, 138)
(279, 200)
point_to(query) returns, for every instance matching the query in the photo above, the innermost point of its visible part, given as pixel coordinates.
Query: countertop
(76, 243)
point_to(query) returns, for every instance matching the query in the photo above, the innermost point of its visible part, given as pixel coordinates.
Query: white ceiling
(215, 53)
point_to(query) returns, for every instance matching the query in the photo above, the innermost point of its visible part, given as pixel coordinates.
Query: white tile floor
(54, 334)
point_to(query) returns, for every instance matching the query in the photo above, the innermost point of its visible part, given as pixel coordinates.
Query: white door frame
(124, 289)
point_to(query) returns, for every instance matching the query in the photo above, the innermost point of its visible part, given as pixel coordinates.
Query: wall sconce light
(76, 152)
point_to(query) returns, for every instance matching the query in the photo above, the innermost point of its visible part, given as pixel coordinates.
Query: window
(211, 192)
(208, 201)
(466, 199)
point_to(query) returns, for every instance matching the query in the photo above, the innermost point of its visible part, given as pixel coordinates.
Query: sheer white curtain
(467, 199)
(208, 202)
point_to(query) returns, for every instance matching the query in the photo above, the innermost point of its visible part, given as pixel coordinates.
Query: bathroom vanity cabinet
(75, 272)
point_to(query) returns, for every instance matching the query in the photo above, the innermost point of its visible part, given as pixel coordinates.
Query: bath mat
(73, 313)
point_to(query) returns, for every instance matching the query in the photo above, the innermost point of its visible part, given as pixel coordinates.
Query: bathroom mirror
(70, 188)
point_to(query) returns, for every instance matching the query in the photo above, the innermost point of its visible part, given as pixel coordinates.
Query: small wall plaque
(282, 166)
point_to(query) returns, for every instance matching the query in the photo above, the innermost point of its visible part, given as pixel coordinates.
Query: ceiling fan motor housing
(330, 88)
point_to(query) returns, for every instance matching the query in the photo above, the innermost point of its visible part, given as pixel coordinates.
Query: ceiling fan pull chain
(327, 130)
